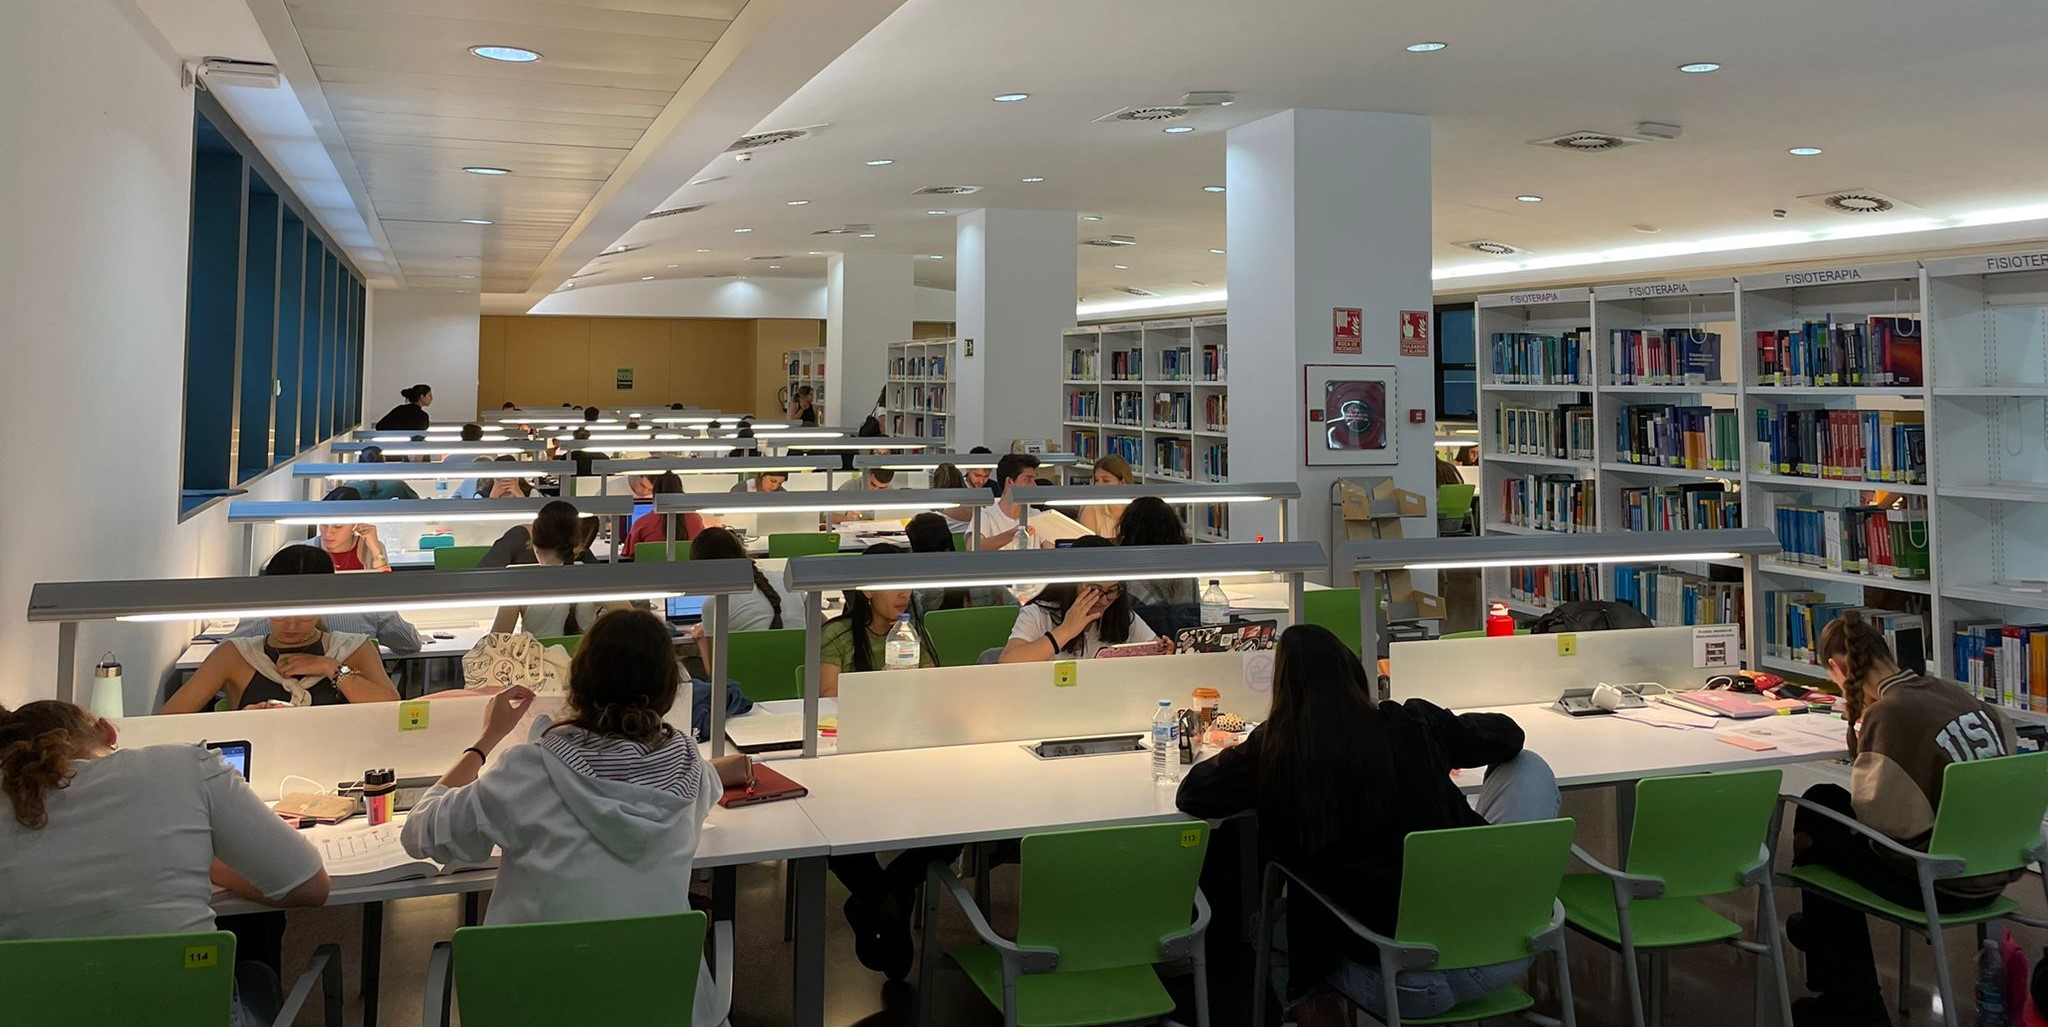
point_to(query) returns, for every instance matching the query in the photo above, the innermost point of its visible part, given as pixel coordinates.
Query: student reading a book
(933, 533)
(600, 818)
(1067, 621)
(1167, 604)
(98, 840)
(857, 639)
(1101, 519)
(874, 479)
(766, 481)
(1338, 782)
(758, 610)
(1904, 731)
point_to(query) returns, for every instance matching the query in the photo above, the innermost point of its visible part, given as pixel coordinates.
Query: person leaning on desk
(556, 539)
(1068, 621)
(874, 479)
(388, 629)
(1001, 523)
(932, 533)
(858, 639)
(380, 488)
(515, 547)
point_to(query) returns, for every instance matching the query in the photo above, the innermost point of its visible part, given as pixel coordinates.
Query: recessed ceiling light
(465, 276)
(774, 267)
(1647, 229)
(880, 162)
(1699, 67)
(1121, 267)
(1010, 97)
(675, 265)
(647, 278)
(817, 253)
(1032, 178)
(1804, 151)
(478, 221)
(798, 203)
(707, 179)
(1212, 188)
(487, 171)
(507, 54)
(867, 235)
(1174, 130)
(742, 231)
(1430, 47)
(938, 213)
(1216, 250)
(1091, 217)
(705, 250)
(938, 256)
(1530, 198)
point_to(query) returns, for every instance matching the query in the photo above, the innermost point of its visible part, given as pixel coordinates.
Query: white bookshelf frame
(921, 405)
(810, 371)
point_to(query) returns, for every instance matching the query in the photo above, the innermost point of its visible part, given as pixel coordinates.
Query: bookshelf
(1157, 394)
(919, 386)
(805, 367)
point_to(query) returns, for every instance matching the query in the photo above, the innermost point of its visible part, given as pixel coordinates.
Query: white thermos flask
(106, 687)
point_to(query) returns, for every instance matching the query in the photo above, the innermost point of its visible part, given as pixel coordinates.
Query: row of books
(1699, 438)
(1126, 365)
(1531, 358)
(1697, 506)
(1794, 619)
(1564, 432)
(1851, 445)
(1127, 408)
(1870, 540)
(1674, 598)
(1215, 363)
(1081, 364)
(919, 426)
(2004, 664)
(1127, 446)
(1085, 445)
(1084, 406)
(1210, 518)
(801, 365)
(1663, 356)
(1551, 502)
(1173, 458)
(922, 365)
(1879, 351)
(1175, 365)
(1216, 413)
(921, 397)
(1553, 584)
(1216, 461)
(1172, 410)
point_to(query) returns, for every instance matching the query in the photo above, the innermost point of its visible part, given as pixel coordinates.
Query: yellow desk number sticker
(1066, 674)
(202, 957)
(1191, 838)
(1567, 645)
(412, 716)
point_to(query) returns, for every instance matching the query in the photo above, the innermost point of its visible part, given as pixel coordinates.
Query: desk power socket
(1100, 745)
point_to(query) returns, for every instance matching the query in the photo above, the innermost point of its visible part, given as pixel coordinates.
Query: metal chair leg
(1262, 957)
(1906, 967)
(1657, 988)
(1774, 943)
(1940, 955)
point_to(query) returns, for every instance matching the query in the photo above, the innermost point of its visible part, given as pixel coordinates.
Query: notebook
(374, 855)
(1719, 703)
(769, 785)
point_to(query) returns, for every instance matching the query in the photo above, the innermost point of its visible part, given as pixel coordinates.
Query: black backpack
(1589, 615)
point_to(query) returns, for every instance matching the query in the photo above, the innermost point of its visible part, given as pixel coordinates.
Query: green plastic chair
(1335, 609)
(1695, 836)
(1454, 503)
(959, 541)
(1470, 896)
(640, 970)
(760, 662)
(1096, 910)
(959, 636)
(569, 642)
(661, 552)
(1989, 822)
(459, 558)
(802, 543)
(166, 980)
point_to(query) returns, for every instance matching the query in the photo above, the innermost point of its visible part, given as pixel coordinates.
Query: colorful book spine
(1531, 358)
(1879, 352)
(1550, 502)
(1700, 438)
(1663, 356)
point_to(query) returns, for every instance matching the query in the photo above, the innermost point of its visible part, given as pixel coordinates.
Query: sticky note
(1191, 838)
(1066, 674)
(1567, 645)
(412, 716)
(201, 957)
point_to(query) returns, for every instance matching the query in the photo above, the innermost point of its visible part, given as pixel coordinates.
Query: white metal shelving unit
(920, 389)
(806, 367)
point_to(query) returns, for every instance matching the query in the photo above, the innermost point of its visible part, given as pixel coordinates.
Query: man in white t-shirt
(1000, 526)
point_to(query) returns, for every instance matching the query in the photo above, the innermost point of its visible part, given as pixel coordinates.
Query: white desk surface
(423, 559)
(468, 625)
(1588, 751)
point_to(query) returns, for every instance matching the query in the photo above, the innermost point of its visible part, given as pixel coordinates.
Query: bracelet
(480, 760)
(1055, 642)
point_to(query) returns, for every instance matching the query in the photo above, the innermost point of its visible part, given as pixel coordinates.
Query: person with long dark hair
(758, 610)
(933, 533)
(1167, 604)
(857, 639)
(379, 488)
(556, 538)
(390, 630)
(602, 816)
(410, 415)
(1338, 782)
(1068, 620)
(652, 525)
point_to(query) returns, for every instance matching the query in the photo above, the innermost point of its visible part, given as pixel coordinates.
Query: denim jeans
(1521, 790)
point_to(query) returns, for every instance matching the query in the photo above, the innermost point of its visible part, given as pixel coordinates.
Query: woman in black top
(410, 415)
(1338, 782)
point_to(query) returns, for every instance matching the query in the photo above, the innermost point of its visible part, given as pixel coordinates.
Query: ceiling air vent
(1586, 141)
(1490, 247)
(847, 230)
(1134, 291)
(764, 139)
(673, 211)
(947, 190)
(1155, 113)
(616, 250)
(1111, 241)
(781, 257)
(1858, 201)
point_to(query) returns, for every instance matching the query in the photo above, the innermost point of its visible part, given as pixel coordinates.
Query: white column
(1326, 210)
(1014, 296)
(868, 305)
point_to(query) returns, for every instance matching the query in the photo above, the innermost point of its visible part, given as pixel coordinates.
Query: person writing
(1167, 604)
(556, 538)
(297, 662)
(978, 477)
(601, 817)
(352, 546)
(874, 479)
(379, 488)
(857, 639)
(1002, 523)
(652, 525)
(1904, 731)
(388, 629)
(766, 481)
(1110, 469)
(410, 415)
(931, 533)
(1338, 781)
(1068, 620)
(515, 547)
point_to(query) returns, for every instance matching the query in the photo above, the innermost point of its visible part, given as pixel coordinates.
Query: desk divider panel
(915, 709)
(1462, 673)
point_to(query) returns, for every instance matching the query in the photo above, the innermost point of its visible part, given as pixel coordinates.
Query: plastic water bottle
(1165, 743)
(1215, 605)
(902, 647)
(1991, 987)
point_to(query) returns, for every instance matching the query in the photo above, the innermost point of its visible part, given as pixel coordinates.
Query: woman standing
(410, 415)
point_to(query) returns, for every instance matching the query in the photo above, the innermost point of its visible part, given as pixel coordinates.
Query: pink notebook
(1719, 703)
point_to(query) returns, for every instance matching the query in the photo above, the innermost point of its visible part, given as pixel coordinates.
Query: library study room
(728, 513)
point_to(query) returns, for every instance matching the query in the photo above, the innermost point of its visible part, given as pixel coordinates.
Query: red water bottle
(1497, 620)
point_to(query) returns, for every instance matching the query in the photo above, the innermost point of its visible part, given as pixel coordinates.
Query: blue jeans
(1518, 791)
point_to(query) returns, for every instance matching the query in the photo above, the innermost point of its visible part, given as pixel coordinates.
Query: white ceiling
(1934, 104)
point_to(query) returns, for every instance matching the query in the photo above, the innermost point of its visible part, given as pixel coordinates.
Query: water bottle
(1215, 605)
(1498, 621)
(902, 645)
(1165, 744)
(1991, 987)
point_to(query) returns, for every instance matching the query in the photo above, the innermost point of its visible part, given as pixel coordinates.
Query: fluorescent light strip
(1455, 443)
(1054, 579)
(1180, 500)
(436, 475)
(620, 437)
(423, 518)
(774, 434)
(318, 609)
(430, 449)
(873, 443)
(746, 473)
(975, 466)
(643, 446)
(1537, 561)
(851, 501)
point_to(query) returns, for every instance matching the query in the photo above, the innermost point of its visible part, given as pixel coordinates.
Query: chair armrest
(1552, 936)
(1938, 866)
(1029, 959)
(434, 1011)
(1759, 872)
(1626, 885)
(1406, 956)
(325, 968)
(1180, 944)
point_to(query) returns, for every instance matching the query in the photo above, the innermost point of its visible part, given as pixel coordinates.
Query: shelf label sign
(1347, 331)
(2016, 262)
(1415, 333)
(1659, 289)
(1716, 645)
(1552, 296)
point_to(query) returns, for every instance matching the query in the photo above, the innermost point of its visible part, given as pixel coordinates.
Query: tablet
(234, 754)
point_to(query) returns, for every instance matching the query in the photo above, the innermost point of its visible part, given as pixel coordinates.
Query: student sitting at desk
(978, 477)
(1067, 621)
(515, 547)
(100, 841)
(758, 610)
(766, 481)
(947, 476)
(388, 629)
(1167, 604)
(652, 526)
(296, 663)
(600, 818)
(1338, 782)
(857, 639)
(556, 540)
(874, 479)
(353, 546)
(1101, 519)
(930, 533)
(379, 488)
(1001, 523)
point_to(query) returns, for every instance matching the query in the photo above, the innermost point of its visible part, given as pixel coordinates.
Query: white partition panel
(1460, 673)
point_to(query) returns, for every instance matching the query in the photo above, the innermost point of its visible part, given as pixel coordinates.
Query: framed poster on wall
(1349, 412)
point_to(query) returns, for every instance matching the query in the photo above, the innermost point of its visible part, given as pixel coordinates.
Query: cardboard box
(1367, 498)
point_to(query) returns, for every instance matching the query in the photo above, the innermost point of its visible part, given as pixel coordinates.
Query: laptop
(685, 609)
(1241, 636)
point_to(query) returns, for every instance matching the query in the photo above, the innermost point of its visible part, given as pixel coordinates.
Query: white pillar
(868, 305)
(1015, 294)
(1326, 210)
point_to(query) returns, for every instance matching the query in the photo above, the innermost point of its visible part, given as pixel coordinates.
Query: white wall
(718, 297)
(416, 336)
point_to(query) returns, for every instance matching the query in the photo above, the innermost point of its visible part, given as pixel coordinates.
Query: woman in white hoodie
(601, 817)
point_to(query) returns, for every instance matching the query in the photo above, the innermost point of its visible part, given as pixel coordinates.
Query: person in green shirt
(380, 488)
(869, 617)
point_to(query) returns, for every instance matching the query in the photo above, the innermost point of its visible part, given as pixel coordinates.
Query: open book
(374, 855)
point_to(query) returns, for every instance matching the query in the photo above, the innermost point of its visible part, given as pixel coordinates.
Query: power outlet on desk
(1099, 745)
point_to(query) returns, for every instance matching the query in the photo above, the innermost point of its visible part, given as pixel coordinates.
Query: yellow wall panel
(717, 363)
(712, 363)
(547, 361)
(635, 343)
(490, 364)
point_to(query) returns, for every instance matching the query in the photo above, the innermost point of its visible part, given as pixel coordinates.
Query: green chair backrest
(459, 558)
(172, 980)
(569, 642)
(959, 541)
(1990, 812)
(1699, 832)
(803, 543)
(760, 662)
(1335, 609)
(641, 970)
(1105, 897)
(1479, 893)
(661, 552)
(1454, 501)
(959, 636)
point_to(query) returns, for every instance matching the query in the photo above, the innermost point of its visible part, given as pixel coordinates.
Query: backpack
(1590, 615)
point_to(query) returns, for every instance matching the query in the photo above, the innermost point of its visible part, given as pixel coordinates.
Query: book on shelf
(1172, 410)
(1084, 445)
(1127, 365)
(1689, 507)
(1126, 446)
(1215, 363)
(1533, 358)
(1553, 584)
(1875, 352)
(1881, 446)
(1084, 406)
(1216, 461)
(1678, 598)
(1081, 364)
(1209, 518)
(1127, 408)
(1173, 458)
(1174, 364)
(1794, 620)
(1216, 413)
(1700, 438)
(1663, 356)
(1877, 542)
(1564, 432)
(2003, 664)
(1550, 502)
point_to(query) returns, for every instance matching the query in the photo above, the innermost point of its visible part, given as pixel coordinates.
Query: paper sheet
(1798, 735)
(1661, 715)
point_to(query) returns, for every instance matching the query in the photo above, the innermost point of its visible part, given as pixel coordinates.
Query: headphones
(1608, 697)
